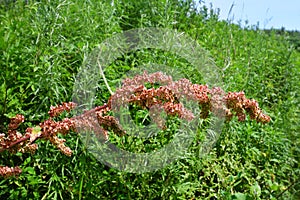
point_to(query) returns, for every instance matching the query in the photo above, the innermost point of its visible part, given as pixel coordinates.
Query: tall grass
(43, 44)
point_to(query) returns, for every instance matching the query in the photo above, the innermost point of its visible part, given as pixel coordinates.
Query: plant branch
(104, 78)
(164, 98)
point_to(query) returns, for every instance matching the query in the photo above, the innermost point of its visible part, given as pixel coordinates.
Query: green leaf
(36, 130)
(2, 91)
(29, 170)
(255, 189)
(27, 161)
(240, 196)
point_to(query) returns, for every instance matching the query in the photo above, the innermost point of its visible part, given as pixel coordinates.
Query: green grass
(44, 43)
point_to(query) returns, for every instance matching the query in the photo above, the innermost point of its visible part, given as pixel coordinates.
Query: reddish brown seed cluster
(157, 77)
(164, 99)
(15, 122)
(57, 110)
(237, 103)
(12, 141)
(9, 171)
(17, 142)
(89, 122)
(110, 123)
(50, 129)
(168, 95)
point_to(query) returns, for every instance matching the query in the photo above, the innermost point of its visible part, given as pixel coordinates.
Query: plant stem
(105, 81)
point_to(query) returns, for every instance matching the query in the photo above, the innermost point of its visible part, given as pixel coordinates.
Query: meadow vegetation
(44, 43)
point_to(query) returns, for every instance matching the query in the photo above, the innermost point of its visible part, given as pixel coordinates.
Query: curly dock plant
(133, 91)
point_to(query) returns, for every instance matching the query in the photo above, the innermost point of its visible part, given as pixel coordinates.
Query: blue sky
(269, 13)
